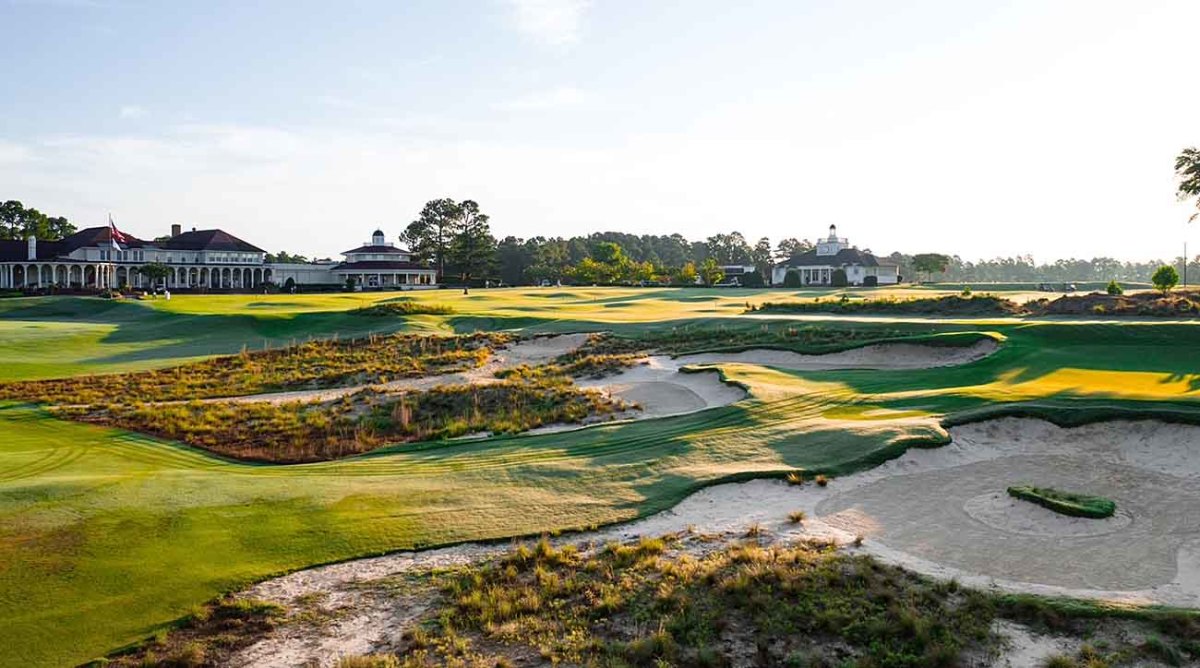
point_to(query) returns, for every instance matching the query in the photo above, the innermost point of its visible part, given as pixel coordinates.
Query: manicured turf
(105, 535)
(1066, 503)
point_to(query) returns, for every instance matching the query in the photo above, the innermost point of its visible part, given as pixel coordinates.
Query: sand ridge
(881, 356)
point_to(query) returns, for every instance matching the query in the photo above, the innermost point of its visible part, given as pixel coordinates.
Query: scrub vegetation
(951, 305)
(704, 600)
(1066, 503)
(292, 432)
(308, 365)
(404, 307)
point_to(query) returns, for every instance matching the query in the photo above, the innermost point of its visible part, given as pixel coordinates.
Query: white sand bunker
(945, 511)
(660, 388)
(876, 356)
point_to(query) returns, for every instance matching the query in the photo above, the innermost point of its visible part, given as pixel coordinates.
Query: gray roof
(844, 257)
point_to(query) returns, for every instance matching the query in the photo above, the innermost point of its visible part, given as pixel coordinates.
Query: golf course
(109, 536)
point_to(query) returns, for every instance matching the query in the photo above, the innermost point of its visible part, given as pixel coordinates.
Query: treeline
(18, 222)
(1024, 268)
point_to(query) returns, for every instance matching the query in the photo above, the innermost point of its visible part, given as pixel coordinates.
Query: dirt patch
(876, 356)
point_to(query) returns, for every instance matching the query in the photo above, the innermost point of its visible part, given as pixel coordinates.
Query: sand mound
(877, 356)
(661, 389)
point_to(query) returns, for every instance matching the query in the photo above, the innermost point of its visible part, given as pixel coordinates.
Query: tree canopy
(18, 222)
(1187, 169)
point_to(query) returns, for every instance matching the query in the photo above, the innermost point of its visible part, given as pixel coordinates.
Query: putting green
(105, 536)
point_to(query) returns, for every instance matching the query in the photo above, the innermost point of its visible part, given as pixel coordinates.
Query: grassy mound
(956, 305)
(1066, 503)
(1179, 304)
(295, 432)
(404, 308)
(309, 365)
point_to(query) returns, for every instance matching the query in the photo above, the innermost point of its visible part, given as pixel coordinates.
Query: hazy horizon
(1016, 128)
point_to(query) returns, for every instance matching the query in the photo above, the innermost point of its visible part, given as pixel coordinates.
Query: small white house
(816, 266)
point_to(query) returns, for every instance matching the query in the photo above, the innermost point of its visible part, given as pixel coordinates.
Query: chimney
(176, 230)
(32, 247)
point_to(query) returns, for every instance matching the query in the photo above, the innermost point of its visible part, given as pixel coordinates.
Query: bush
(839, 280)
(792, 279)
(871, 281)
(1165, 278)
(751, 280)
(404, 308)
(1114, 288)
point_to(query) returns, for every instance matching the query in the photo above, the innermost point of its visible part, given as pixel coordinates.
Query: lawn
(105, 535)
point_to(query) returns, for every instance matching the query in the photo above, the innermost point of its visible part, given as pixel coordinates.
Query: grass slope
(105, 536)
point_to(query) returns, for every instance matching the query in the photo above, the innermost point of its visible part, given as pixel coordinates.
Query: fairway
(106, 536)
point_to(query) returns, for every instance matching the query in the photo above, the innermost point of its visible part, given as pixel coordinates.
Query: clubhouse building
(816, 266)
(99, 258)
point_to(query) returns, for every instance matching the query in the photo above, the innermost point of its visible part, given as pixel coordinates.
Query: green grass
(1066, 503)
(106, 536)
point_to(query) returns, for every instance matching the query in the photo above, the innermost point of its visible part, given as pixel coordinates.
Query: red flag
(116, 236)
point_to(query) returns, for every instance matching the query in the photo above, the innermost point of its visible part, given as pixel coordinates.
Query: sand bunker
(940, 511)
(660, 389)
(944, 511)
(877, 356)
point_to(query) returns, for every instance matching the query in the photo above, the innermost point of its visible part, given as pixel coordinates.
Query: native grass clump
(309, 365)
(206, 637)
(653, 602)
(966, 304)
(404, 307)
(289, 432)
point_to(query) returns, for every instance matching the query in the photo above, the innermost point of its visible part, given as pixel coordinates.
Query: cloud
(563, 97)
(549, 22)
(132, 111)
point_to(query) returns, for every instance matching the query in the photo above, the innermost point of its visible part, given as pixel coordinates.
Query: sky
(981, 129)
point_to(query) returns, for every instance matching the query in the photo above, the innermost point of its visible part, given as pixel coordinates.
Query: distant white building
(816, 267)
(99, 258)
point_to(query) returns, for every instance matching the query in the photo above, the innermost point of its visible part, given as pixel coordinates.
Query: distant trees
(155, 272)
(453, 233)
(930, 263)
(685, 275)
(1187, 169)
(283, 257)
(711, 272)
(429, 236)
(18, 222)
(1165, 278)
(788, 248)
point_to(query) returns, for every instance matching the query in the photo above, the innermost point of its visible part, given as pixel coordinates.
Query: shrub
(1165, 278)
(796, 516)
(966, 291)
(404, 308)
(1114, 288)
(838, 279)
(1066, 503)
(795, 479)
(792, 279)
(871, 281)
(751, 280)
(822, 481)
